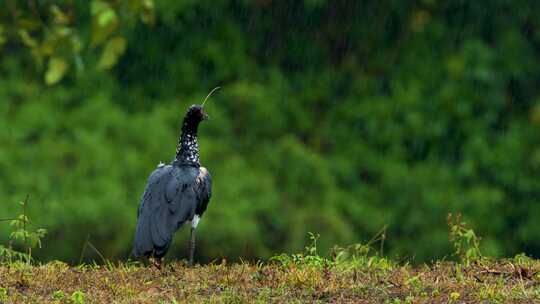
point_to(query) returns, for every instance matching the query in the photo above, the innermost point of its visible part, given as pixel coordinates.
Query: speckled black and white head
(195, 114)
(187, 152)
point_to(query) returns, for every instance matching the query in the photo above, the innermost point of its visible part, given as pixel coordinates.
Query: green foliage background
(337, 117)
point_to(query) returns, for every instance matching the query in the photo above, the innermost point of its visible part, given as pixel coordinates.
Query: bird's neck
(187, 151)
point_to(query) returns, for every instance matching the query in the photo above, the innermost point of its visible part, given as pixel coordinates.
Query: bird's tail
(152, 237)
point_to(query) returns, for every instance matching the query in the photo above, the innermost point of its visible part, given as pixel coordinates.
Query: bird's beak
(205, 116)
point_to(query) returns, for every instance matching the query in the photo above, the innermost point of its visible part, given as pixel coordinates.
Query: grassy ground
(355, 274)
(286, 280)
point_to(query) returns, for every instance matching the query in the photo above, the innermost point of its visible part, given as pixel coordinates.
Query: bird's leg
(191, 246)
(156, 262)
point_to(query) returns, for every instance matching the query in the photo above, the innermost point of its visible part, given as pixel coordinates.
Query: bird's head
(196, 113)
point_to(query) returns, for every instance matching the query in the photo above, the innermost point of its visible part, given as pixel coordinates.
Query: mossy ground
(375, 280)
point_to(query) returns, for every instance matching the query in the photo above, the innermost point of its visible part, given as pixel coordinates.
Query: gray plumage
(174, 194)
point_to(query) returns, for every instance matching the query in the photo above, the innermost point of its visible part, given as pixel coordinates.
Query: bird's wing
(203, 188)
(167, 202)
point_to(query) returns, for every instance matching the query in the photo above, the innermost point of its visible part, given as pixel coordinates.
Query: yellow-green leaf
(27, 39)
(29, 24)
(107, 17)
(56, 70)
(114, 48)
(147, 13)
(59, 16)
(103, 25)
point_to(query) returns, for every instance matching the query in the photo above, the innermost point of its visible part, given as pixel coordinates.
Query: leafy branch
(48, 29)
(21, 234)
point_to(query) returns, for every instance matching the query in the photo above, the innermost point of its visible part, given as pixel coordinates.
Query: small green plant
(464, 240)
(3, 294)
(22, 235)
(407, 300)
(364, 255)
(415, 283)
(58, 295)
(454, 296)
(310, 256)
(77, 297)
(353, 256)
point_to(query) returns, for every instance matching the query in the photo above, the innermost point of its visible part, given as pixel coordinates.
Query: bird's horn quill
(209, 94)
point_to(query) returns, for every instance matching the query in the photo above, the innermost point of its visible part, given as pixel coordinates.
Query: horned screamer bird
(175, 194)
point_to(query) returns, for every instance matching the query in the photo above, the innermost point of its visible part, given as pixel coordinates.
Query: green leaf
(103, 27)
(112, 51)
(97, 7)
(56, 70)
(106, 18)
(59, 16)
(27, 39)
(58, 295)
(147, 13)
(104, 22)
(63, 31)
